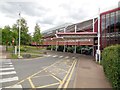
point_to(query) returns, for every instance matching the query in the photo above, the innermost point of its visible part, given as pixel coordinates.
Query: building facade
(85, 33)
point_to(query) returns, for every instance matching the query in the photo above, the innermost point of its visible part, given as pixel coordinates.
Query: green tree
(37, 35)
(0, 36)
(15, 33)
(25, 37)
(6, 36)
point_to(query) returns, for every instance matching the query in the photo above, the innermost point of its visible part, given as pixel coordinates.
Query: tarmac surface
(64, 70)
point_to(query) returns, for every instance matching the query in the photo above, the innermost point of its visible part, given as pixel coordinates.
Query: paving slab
(90, 74)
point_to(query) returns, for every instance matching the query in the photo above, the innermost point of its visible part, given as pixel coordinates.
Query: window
(112, 21)
(107, 22)
(103, 23)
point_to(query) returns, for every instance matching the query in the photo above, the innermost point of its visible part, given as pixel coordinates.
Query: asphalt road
(54, 70)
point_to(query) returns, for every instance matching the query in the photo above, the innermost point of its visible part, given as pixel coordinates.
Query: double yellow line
(68, 76)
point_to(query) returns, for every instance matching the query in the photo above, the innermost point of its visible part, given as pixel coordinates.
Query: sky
(51, 13)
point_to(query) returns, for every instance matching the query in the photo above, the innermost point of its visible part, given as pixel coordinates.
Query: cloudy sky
(50, 13)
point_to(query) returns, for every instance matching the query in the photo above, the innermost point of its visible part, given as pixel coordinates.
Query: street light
(19, 35)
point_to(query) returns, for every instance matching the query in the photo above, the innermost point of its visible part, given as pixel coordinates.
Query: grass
(33, 51)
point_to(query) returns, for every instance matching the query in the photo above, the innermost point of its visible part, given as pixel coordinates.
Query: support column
(51, 47)
(64, 29)
(75, 47)
(64, 47)
(93, 50)
(75, 28)
(56, 46)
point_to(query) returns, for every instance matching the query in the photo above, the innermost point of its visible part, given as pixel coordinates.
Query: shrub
(111, 65)
(70, 49)
(78, 49)
(49, 48)
(60, 48)
(23, 49)
(54, 47)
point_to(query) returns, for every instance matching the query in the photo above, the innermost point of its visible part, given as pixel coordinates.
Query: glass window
(103, 23)
(112, 21)
(107, 22)
(118, 21)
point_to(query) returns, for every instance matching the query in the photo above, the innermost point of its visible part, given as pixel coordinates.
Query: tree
(37, 35)
(6, 36)
(25, 37)
(0, 36)
(15, 33)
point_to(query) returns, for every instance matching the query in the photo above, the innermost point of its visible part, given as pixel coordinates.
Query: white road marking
(8, 63)
(67, 57)
(55, 55)
(3, 69)
(6, 66)
(7, 73)
(60, 56)
(8, 79)
(15, 86)
(73, 57)
(48, 55)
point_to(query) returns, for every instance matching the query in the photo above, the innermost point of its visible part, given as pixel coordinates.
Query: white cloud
(49, 13)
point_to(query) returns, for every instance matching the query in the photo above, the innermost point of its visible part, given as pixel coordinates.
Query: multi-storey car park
(96, 34)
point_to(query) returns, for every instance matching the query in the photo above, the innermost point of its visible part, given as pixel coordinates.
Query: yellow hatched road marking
(31, 83)
(68, 80)
(35, 73)
(48, 85)
(55, 77)
(60, 86)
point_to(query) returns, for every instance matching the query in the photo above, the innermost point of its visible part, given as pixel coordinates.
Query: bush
(78, 49)
(54, 47)
(60, 48)
(49, 48)
(111, 65)
(70, 49)
(23, 49)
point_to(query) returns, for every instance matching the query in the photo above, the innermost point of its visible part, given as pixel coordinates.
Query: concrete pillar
(64, 29)
(75, 28)
(64, 47)
(75, 47)
(56, 46)
(93, 50)
(51, 47)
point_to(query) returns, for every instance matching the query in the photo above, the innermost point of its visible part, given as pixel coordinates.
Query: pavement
(3, 53)
(90, 74)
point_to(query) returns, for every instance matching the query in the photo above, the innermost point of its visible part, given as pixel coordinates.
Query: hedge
(111, 65)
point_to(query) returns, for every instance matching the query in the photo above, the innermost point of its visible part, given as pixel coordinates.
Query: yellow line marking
(56, 78)
(68, 80)
(31, 83)
(48, 85)
(60, 86)
(37, 73)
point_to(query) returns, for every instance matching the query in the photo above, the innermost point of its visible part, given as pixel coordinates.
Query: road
(54, 70)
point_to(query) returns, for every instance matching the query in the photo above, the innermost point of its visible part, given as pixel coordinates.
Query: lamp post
(98, 51)
(19, 35)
